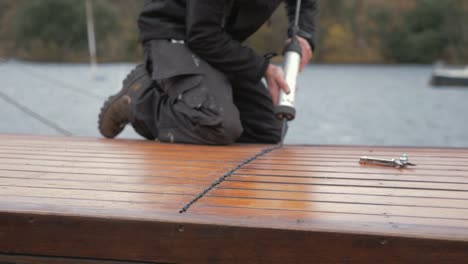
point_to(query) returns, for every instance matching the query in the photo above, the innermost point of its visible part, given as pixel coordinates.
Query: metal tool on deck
(285, 109)
(402, 162)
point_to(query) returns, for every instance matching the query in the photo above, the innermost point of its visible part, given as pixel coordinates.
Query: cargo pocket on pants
(192, 99)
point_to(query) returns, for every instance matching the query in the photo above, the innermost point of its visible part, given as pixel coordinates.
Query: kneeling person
(198, 84)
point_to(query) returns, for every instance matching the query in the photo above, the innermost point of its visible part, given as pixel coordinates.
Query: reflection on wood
(99, 201)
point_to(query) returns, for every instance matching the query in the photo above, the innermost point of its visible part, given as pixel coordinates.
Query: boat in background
(449, 76)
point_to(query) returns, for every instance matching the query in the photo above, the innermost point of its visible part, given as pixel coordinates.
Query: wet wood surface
(119, 200)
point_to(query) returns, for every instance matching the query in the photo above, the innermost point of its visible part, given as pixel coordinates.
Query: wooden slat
(346, 190)
(353, 175)
(153, 186)
(135, 145)
(342, 198)
(185, 178)
(184, 194)
(393, 210)
(354, 182)
(430, 164)
(129, 150)
(141, 171)
(33, 207)
(119, 158)
(150, 165)
(166, 203)
(163, 149)
(347, 154)
(295, 150)
(271, 159)
(358, 169)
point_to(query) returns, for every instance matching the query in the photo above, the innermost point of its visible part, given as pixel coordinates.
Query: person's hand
(307, 53)
(275, 80)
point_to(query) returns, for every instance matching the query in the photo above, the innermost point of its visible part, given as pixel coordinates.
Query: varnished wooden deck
(67, 200)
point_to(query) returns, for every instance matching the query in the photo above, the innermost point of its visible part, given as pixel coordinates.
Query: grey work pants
(192, 102)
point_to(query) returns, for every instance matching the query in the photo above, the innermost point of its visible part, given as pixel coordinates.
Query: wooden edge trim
(171, 242)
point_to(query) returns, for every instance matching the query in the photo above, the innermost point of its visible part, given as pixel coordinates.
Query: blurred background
(369, 84)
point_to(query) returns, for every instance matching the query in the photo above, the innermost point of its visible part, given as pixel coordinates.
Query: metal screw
(181, 228)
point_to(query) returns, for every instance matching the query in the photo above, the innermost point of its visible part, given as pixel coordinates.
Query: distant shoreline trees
(427, 33)
(349, 31)
(52, 29)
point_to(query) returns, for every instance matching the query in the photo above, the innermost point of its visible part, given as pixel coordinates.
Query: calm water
(352, 105)
(379, 105)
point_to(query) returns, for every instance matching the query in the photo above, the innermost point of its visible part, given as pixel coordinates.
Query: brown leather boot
(115, 113)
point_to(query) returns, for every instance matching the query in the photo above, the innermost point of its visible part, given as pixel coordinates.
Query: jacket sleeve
(206, 37)
(307, 19)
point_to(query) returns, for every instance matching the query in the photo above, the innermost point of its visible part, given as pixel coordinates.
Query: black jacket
(214, 29)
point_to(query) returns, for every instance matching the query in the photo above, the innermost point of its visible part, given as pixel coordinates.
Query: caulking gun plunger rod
(285, 109)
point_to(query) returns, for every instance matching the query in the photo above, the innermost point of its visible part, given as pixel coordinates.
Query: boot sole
(132, 78)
